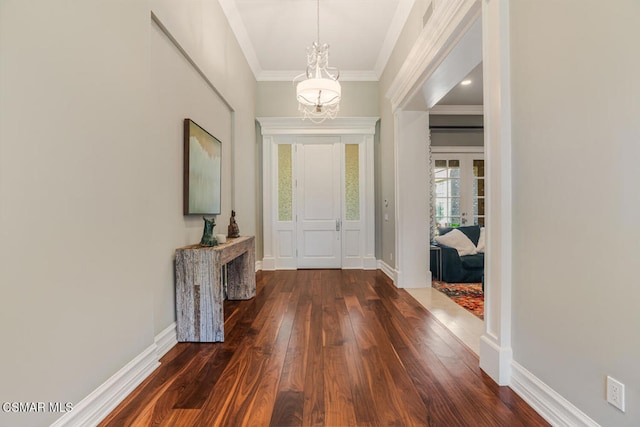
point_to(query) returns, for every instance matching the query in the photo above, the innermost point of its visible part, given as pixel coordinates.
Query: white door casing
(281, 233)
(450, 23)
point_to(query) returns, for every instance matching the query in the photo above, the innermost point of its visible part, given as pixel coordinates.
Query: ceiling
(470, 94)
(274, 35)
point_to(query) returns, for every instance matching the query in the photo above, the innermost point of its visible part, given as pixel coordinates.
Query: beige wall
(202, 30)
(90, 181)
(407, 38)
(576, 133)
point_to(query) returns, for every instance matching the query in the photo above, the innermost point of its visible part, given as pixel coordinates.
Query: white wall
(576, 133)
(91, 182)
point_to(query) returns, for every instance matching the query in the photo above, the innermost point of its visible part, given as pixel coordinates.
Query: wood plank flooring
(324, 348)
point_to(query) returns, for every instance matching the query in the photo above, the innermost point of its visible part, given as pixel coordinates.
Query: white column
(495, 345)
(412, 199)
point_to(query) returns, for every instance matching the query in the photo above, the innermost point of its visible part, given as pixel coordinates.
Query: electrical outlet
(615, 393)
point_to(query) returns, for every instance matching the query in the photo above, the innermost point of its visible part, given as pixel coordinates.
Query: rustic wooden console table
(199, 286)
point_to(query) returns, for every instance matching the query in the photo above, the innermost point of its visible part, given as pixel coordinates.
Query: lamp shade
(319, 92)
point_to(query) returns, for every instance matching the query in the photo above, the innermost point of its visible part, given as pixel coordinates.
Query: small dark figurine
(208, 239)
(233, 230)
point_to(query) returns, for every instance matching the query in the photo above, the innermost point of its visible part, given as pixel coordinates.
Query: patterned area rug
(466, 295)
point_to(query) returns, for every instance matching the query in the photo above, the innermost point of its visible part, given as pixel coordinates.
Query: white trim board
(297, 126)
(97, 405)
(554, 408)
(166, 339)
(388, 270)
(104, 399)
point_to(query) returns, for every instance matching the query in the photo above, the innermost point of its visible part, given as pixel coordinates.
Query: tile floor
(463, 324)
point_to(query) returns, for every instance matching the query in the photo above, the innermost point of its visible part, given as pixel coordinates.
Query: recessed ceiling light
(465, 82)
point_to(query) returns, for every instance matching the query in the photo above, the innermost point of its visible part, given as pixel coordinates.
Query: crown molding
(393, 34)
(237, 27)
(432, 45)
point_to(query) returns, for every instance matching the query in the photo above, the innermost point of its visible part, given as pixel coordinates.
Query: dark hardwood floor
(324, 347)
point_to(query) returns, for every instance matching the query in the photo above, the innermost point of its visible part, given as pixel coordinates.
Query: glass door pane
(285, 187)
(352, 181)
(459, 181)
(478, 192)
(447, 183)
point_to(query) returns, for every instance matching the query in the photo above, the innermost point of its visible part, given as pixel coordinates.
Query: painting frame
(202, 179)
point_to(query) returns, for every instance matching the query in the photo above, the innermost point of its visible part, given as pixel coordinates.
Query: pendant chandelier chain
(317, 90)
(318, 20)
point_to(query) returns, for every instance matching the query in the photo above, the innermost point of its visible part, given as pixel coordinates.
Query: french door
(459, 189)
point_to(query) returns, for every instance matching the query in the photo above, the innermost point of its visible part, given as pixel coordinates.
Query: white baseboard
(554, 408)
(370, 263)
(495, 360)
(97, 405)
(166, 339)
(268, 263)
(258, 265)
(388, 270)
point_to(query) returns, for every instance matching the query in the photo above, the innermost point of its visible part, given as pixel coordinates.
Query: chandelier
(318, 91)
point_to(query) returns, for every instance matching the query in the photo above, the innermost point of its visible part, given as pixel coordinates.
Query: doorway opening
(318, 194)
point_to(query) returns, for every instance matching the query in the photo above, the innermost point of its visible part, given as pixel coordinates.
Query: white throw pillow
(481, 245)
(458, 240)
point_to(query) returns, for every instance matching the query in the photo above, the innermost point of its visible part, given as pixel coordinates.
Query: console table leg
(241, 277)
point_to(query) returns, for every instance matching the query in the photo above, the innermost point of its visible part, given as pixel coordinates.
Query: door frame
(431, 46)
(465, 155)
(280, 236)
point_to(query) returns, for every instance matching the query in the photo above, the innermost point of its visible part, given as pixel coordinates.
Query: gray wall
(576, 133)
(92, 98)
(456, 130)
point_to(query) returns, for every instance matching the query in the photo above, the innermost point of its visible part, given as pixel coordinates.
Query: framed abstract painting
(202, 174)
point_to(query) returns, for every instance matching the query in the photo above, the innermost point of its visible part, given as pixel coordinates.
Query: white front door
(318, 219)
